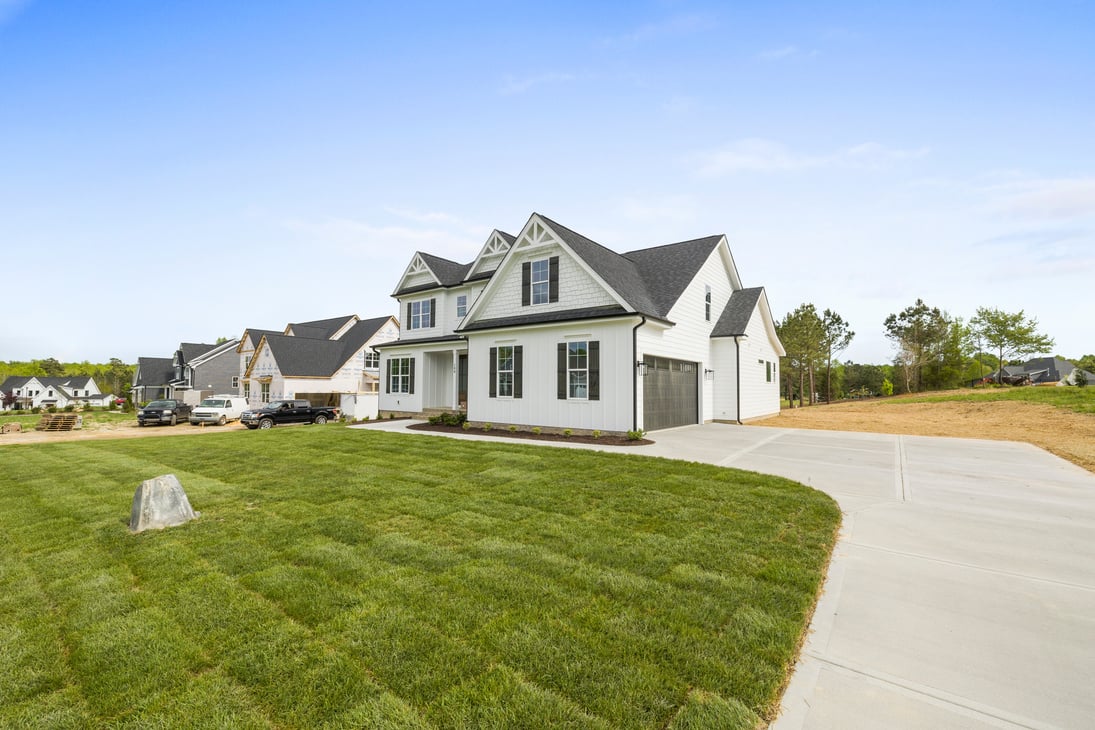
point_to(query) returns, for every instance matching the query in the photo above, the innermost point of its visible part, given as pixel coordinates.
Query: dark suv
(169, 411)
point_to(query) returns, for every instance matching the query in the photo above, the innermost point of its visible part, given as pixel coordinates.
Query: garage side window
(400, 375)
(578, 370)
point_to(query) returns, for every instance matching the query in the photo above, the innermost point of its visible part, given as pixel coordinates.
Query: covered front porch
(444, 380)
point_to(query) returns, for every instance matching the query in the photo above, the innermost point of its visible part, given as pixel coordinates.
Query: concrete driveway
(962, 590)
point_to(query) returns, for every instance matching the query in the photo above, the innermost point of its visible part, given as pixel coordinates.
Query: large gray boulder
(160, 502)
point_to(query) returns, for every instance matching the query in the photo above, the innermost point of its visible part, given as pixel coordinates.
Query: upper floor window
(264, 392)
(235, 382)
(540, 281)
(372, 359)
(420, 314)
(461, 305)
(707, 303)
(540, 273)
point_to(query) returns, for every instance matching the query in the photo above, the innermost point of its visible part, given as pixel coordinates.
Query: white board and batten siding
(690, 337)
(540, 404)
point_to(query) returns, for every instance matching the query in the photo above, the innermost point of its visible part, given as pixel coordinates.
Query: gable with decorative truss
(578, 287)
(491, 255)
(417, 274)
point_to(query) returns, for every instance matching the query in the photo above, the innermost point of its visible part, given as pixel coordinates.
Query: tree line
(933, 351)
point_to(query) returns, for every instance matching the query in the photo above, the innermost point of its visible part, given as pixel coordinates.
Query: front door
(462, 382)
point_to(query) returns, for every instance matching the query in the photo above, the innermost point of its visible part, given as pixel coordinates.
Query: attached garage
(670, 393)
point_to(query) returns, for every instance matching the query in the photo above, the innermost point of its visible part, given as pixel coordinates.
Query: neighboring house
(1040, 371)
(548, 328)
(195, 371)
(59, 392)
(152, 379)
(328, 362)
(201, 370)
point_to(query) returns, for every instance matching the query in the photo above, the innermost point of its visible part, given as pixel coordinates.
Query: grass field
(1080, 400)
(346, 578)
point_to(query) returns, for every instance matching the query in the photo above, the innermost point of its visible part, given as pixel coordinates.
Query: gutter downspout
(635, 374)
(737, 374)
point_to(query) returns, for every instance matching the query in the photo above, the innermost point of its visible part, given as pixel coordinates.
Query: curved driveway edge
(962, 589)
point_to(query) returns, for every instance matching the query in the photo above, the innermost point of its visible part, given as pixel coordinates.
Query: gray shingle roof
(320, 329)
(154, 371)
(739, 309)
(668, 270)
(620, 273)
(192, 350)
(317, 356)
(449, 272)
(565, 315)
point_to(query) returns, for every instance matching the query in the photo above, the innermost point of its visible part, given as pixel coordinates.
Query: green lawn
(348, 578)
(1080, 400)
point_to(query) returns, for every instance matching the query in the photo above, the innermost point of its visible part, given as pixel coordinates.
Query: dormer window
(540, 281)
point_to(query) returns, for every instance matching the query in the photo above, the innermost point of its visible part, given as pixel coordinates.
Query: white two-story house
(548, 328)
(329, 362)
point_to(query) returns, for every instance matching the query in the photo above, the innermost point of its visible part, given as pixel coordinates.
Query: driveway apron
(962, 589)
(961, 592)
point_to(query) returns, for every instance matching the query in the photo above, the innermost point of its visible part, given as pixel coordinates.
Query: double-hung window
(462, 305)
(372, 359)
(539, 281)
(264, 392)
(401, 375)
(579, 372)
(420, 314)
(505, 371)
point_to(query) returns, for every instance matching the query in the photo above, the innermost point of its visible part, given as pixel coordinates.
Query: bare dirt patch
(127, 429)
(1064, 433)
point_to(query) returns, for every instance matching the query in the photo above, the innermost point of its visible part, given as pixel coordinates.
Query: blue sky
(182, 171)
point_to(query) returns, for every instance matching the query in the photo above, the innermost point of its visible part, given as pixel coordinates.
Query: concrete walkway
(962, 590)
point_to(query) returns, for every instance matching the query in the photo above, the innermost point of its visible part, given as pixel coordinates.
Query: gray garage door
(670, 393)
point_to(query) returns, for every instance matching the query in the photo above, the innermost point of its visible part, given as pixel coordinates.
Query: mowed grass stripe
(340, 576)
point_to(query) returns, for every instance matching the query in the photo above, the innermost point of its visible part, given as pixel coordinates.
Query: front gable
(491, 255)
(572, 283)
(418, 275)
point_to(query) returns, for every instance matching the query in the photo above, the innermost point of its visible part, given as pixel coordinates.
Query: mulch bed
(604, 440)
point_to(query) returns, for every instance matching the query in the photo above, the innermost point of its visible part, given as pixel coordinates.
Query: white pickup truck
(218, 409)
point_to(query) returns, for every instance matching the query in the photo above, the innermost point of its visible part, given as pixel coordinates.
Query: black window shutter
(410, 380)
(433, 312)
(494, 372)
(594, 370)
(388, 378)
(553, 279)
(518, 362)
(408, 315)
(526, 285)
(561, 371)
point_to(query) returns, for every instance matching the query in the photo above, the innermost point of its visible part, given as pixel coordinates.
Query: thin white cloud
(1053, 199)
(676, 26)
(785, 52)
(366, 240)
(515, 85)
(763, 155)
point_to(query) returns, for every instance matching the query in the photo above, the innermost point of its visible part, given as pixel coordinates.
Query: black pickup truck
(168, 411)
(288, 411)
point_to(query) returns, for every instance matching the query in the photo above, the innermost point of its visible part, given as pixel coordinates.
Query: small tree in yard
(1011, 334)
(836, 336)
